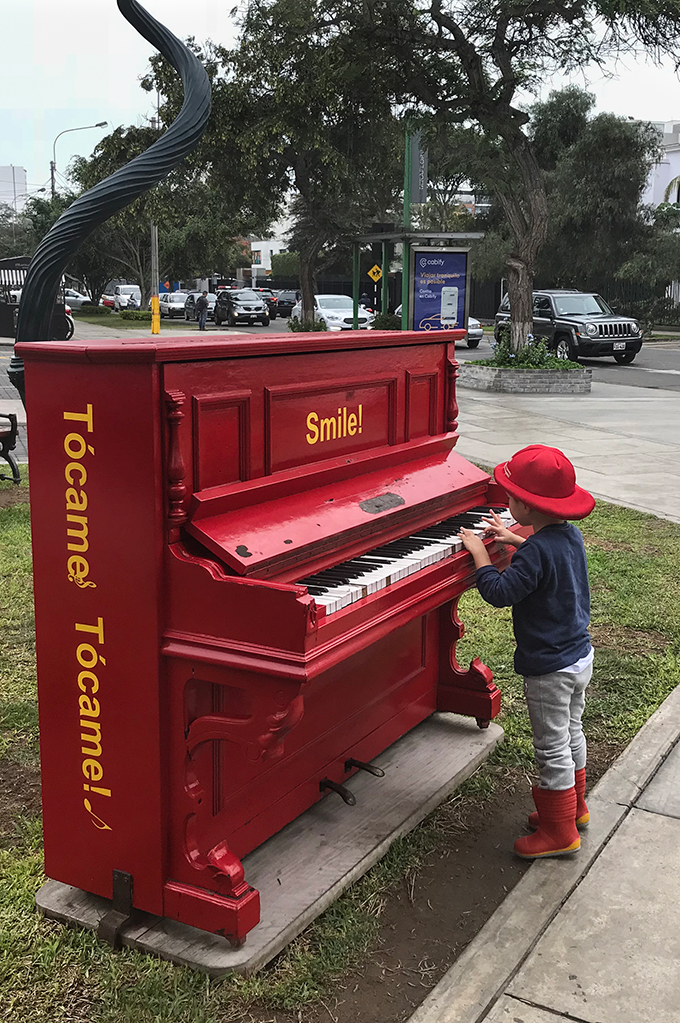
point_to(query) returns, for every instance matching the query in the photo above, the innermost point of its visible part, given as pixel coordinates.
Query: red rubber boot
(557, 834)
(582, 812)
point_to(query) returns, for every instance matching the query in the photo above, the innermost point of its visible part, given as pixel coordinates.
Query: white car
(172, 303)
(337, 311)
(75, 299)
(122, 294)
(475, 333)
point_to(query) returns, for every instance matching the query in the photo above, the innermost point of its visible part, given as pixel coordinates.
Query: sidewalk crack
(552, 1011)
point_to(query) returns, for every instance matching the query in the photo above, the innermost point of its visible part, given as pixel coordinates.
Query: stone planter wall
(525, 381)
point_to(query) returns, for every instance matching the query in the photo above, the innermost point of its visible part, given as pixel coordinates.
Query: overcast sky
(73, 63)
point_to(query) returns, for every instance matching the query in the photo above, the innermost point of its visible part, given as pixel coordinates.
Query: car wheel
(624, 358)
(265, 321)
(565, 348)
(473, 342)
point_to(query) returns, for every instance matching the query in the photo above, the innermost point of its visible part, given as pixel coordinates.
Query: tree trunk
(307, 267)
(526, 210)
(520, 292)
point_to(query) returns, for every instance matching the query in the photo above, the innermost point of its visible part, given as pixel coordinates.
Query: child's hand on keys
(496, 529)
(471, 541)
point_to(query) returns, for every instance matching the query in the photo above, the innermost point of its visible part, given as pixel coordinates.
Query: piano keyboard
(350, 581)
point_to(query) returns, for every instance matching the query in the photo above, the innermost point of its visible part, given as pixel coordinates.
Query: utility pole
(405, 247)
(155, 274)
(53, 181)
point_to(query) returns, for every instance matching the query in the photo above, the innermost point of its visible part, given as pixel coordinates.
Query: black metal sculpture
(117, 191)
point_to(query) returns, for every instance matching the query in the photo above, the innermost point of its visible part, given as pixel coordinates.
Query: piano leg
(472, 691)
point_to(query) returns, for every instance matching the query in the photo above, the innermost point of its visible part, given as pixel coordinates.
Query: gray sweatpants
(555, 705)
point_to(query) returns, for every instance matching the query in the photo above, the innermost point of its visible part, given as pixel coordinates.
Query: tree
(286, 264)
(597, 225)
(295, 110)
(93, 263)
(196, 227)
(466, 64)
(15, 233)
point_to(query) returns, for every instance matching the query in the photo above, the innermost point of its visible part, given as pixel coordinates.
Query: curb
(473, 984)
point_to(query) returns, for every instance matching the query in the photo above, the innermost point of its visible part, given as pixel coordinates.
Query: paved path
(624, 441)
(593, 938)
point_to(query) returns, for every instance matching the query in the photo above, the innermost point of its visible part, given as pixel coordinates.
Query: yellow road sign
(375, 273)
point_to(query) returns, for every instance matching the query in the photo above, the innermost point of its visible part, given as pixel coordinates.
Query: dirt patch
(629, 641)
(19, 794)
(629, 548)
(15, 495)
(429, 919)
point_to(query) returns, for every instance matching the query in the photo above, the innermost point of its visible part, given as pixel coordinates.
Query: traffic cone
(557, 834)
(582, 812)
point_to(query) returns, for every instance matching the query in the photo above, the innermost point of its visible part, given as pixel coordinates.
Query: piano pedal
(377, 772)
(335, 786)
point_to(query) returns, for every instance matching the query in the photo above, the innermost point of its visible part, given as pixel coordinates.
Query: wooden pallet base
(304, 868)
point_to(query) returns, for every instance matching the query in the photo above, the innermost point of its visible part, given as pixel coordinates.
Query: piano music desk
(195, 696)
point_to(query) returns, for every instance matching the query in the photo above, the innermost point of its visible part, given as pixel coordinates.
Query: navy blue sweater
(547, 586)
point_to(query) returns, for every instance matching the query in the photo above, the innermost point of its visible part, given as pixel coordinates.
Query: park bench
(8, 442)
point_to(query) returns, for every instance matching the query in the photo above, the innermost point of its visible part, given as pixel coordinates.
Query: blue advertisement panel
(439, 288)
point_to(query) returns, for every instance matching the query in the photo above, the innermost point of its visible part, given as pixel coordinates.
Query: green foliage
(386, 321)
(535, 354)
(286, 264)
(16, 236)
(297, 325)
(136, 314)
(91, 309)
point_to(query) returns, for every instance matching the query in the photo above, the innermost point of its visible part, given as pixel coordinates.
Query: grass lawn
(52, 974)
(114, 322)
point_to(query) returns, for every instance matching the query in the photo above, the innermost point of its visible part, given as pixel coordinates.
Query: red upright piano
(210, 659)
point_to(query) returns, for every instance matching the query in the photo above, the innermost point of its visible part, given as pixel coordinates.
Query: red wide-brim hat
(545, 479)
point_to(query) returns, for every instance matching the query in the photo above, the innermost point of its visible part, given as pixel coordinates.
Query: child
(547, 586)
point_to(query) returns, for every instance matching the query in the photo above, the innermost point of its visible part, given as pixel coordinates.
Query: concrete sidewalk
(624, 441)
(593, 938)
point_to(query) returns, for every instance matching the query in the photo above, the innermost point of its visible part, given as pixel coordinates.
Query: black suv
(270, 298)
(286, 301)
(240, 306)
(579, 323)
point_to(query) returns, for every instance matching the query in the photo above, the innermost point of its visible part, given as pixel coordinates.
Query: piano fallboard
(288, 527)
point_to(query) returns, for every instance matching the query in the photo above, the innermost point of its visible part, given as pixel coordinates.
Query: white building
(13, 187)
(262, 251)
(668, 168)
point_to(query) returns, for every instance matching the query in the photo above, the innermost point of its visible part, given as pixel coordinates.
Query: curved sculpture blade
(117, 191)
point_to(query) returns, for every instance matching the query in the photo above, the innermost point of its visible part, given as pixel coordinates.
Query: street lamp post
(53, 162)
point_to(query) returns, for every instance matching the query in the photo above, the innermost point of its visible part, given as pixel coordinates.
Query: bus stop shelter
(407, 239)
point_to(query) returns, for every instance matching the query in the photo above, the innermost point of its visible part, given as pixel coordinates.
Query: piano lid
(266, 525)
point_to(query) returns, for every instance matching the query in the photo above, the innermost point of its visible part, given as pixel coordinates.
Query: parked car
(578, 323)
(270, 298)
(122, 294)
(474, 332)
(286, 302)
(190, 305)
(171, 303)
(107, 299)
(337, 311)
(75, 299)
(240, 306)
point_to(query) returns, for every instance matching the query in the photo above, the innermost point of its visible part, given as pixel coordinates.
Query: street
(657, 365)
